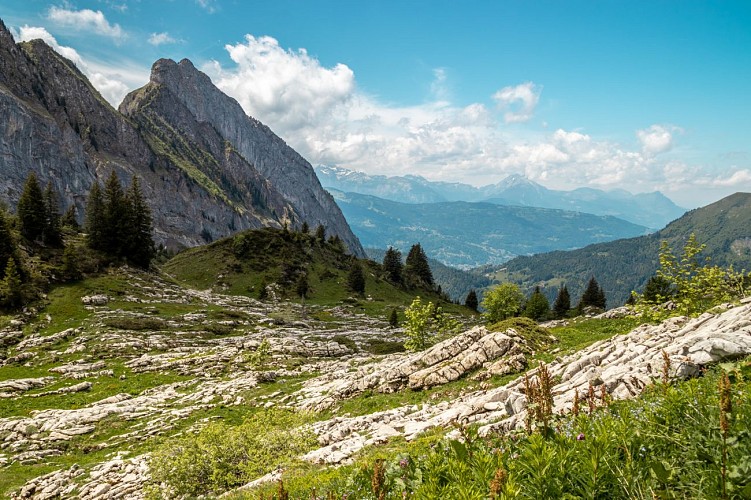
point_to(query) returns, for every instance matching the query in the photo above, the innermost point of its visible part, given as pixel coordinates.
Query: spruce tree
(263, 292)
(139, 247)
(7, 245)
(10, 288)
(593, 296)
(305, 228)
(392, 265)
(537, 307)
(32, 212)
(115, 217)
(657, 290)
(471, 300)
(562, 303)
(393, 319)
(321, 233)
(52, 234)
(69, 219)
(94, 225)
(417, 267)
(356, 278)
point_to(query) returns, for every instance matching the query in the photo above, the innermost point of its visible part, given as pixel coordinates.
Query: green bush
(221, 457)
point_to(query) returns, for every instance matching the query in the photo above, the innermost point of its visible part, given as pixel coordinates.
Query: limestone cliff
(208, 111)
(199, 184)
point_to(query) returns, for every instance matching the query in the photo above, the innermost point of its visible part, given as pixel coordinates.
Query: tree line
(118, 227)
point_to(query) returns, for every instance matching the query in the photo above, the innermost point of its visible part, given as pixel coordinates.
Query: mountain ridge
(465, 235)
(200, 187)
(653, 210)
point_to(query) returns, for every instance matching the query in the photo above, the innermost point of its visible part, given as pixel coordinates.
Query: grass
(581, 333)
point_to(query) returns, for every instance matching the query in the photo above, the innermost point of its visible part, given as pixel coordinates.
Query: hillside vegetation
(625, 265)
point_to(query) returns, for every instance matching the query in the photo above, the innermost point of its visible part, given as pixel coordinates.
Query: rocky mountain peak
(265, 152)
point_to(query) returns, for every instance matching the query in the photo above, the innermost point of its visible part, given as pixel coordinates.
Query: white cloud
(657, 138)
(161, 39)
(85, 20)
(321, 113)
(112, 80)
(208, 5)
(518, 102)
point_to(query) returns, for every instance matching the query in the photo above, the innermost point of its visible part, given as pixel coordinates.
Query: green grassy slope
(624, 265)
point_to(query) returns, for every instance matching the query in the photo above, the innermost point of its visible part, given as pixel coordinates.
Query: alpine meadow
(337, 250)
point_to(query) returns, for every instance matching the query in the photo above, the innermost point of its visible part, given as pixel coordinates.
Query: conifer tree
(69, 266)
(562, 303)
(263, 292)
(69, 218)
(593, 296)
(94, 225)
(305, 228)
(392, 265)
(139, 247)
(32, 212)
(393, 319)
(321, 233)
(7, 245)
(417, 266)
(52, 235)
(356, 278)
(471, 300)
(115, 217)
(10, 288)
(537, 307)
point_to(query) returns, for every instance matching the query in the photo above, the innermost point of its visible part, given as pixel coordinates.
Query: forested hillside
(624, 265)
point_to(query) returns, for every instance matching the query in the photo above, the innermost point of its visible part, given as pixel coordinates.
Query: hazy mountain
(624, 265)
(207, 169)
(653, 210)
(470, 234)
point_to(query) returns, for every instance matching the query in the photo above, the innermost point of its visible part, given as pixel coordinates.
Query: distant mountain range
(465, 235)
(653, 210)
(624, 265)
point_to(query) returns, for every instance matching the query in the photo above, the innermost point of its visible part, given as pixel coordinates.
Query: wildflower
(580, 437)
(403, 463)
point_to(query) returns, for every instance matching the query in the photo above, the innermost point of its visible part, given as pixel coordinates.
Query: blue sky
(642, 96)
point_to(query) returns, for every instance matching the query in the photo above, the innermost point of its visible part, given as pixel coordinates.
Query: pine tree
(69, 267)
(393, 319)
(32, 213)
(7, 245)
(305, 228)
(52, 235)
(392, 265)
(471, 300)
(562, 303)
(115, 217)
(69, 219)
(356, 278)
(321, 233)
(139, 247)
(417, 266)
(657, 290)
(537, 306)
(10, 288)
(593, 296)
(94, 225)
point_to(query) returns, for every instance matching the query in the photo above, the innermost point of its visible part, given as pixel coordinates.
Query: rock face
(206, 169)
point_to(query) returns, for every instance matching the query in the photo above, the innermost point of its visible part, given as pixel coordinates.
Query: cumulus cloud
(113, 81)
(518, 102)
(320, 111)
(157, 39)
(657, 138)
(85, 20)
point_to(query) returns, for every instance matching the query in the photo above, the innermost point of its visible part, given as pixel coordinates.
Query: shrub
(221, 457)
